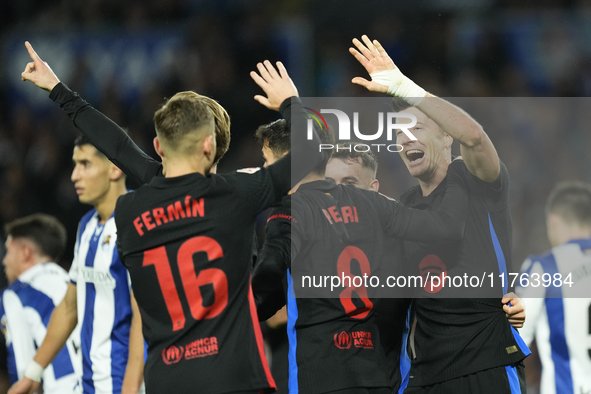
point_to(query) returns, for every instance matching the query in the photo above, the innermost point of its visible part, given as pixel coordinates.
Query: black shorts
(500, 380)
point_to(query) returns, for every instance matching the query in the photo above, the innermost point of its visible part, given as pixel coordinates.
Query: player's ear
(158, 147)
(554, 229)
(208, 147)
(27, 252)
(374, 185)
(115, 173)
(447, 140)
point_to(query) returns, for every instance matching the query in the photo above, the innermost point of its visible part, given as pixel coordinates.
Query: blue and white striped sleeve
(532, 297)
(19, 338)
(73, 273)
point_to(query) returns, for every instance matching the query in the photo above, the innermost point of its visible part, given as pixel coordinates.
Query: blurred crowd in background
(125, 58)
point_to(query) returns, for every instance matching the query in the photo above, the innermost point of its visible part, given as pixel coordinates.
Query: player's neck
(311, 177)
(106, 206)
(429, 182)
(184, 167)
(572, 233)
(33, 262)
(38, 260)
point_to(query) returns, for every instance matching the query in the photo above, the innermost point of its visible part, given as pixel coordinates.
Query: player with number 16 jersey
(186, 241)
(188, 253)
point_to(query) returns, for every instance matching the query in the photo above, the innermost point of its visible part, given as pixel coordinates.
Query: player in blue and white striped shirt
(37, 285)
(99, 297)
(558, 317)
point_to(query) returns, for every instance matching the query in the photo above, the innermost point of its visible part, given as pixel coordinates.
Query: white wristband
(34, 371)
(400, 85)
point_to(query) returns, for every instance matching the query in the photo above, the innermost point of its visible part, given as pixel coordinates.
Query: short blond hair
(180, 117)
(222, 126)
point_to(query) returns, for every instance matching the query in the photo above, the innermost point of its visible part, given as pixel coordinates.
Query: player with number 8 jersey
(339, 231)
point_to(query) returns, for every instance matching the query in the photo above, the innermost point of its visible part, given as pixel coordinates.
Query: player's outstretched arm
(61, 324)
(102, 132)
(272, 264)
(477, 149)
(445, 224)
(282, 96)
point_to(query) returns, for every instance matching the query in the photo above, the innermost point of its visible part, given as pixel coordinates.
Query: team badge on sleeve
(389, 198)
(250, 170)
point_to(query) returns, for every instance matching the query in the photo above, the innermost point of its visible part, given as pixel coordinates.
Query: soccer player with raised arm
(111, 140)
(36, 285)
(350, 167)
(559, 316)
(275, 139)
(359, 169)
(186, 240)
(334, 342)
(460, 344)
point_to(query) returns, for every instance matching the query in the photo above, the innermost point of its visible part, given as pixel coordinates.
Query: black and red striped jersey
(459, 336)
(335, 341)
(276, 251)
(393, 325)
(335, 230)
(187, 243)
(392, 313)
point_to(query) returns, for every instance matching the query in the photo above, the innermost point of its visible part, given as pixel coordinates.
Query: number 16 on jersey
(191, 281)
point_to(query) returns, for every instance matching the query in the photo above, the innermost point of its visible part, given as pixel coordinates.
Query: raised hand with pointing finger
(39, 71)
